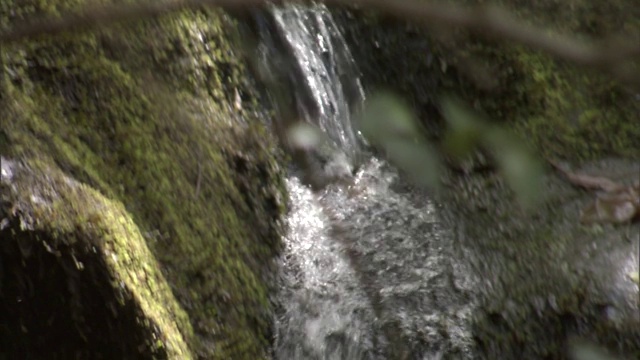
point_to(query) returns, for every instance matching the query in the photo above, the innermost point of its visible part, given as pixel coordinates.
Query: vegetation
(565, 109)
(148, 116)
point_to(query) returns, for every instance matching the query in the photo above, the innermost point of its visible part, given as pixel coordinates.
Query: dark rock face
(48, 300)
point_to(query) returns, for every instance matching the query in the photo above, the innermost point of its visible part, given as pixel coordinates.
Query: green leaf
(586, 350)
(465, 128)
(385, 115)
(418, 160)
(522, 171)
(389, 124)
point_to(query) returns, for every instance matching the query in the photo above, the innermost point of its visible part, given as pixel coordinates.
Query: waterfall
(326, 315)
(368, 271)
(327, 71)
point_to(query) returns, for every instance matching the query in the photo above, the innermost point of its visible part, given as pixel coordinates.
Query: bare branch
(614, 55)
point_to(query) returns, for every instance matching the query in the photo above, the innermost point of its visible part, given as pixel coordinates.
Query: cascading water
(327, 69)
(326, 315)
(368, 271)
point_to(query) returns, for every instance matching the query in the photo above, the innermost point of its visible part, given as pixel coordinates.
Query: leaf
(305, 136)
(386, 116)
(587, 181)
(619, 206)
(586, 350)
(465, 128)
(522, 171)
(390, 125)
(418, 160)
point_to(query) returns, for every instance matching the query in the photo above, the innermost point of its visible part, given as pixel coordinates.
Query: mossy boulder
(78, 278)
(146, 139)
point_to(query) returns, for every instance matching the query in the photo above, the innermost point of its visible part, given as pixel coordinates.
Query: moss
(572, 114)
(566, 111)
(77, 221)
(147, 115)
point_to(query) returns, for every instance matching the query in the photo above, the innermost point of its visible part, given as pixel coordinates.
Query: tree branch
(615, 55)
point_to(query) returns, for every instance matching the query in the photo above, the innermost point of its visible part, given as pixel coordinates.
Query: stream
(367, 272)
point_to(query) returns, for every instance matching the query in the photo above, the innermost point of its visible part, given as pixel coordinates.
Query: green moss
(572, 114)
(143, 114)
(78, 217)
(567, 111)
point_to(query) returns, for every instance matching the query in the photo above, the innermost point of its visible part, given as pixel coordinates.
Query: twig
(618, 204)
(611, 54)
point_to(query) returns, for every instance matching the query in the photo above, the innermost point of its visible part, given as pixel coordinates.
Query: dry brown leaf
(615, 209)
(588, 181)
(618, 204)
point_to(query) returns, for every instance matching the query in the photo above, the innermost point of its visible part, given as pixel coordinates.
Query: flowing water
(327, 71)
(368, 271)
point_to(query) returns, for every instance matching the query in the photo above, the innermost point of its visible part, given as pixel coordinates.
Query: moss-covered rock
(77, 276)
(157, 116)
(566, 110)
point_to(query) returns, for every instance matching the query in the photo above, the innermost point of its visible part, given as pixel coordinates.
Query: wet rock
(543, 277)
(326, 164)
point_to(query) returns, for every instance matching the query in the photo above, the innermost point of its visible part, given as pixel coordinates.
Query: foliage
(563, 109)
(389, 124)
